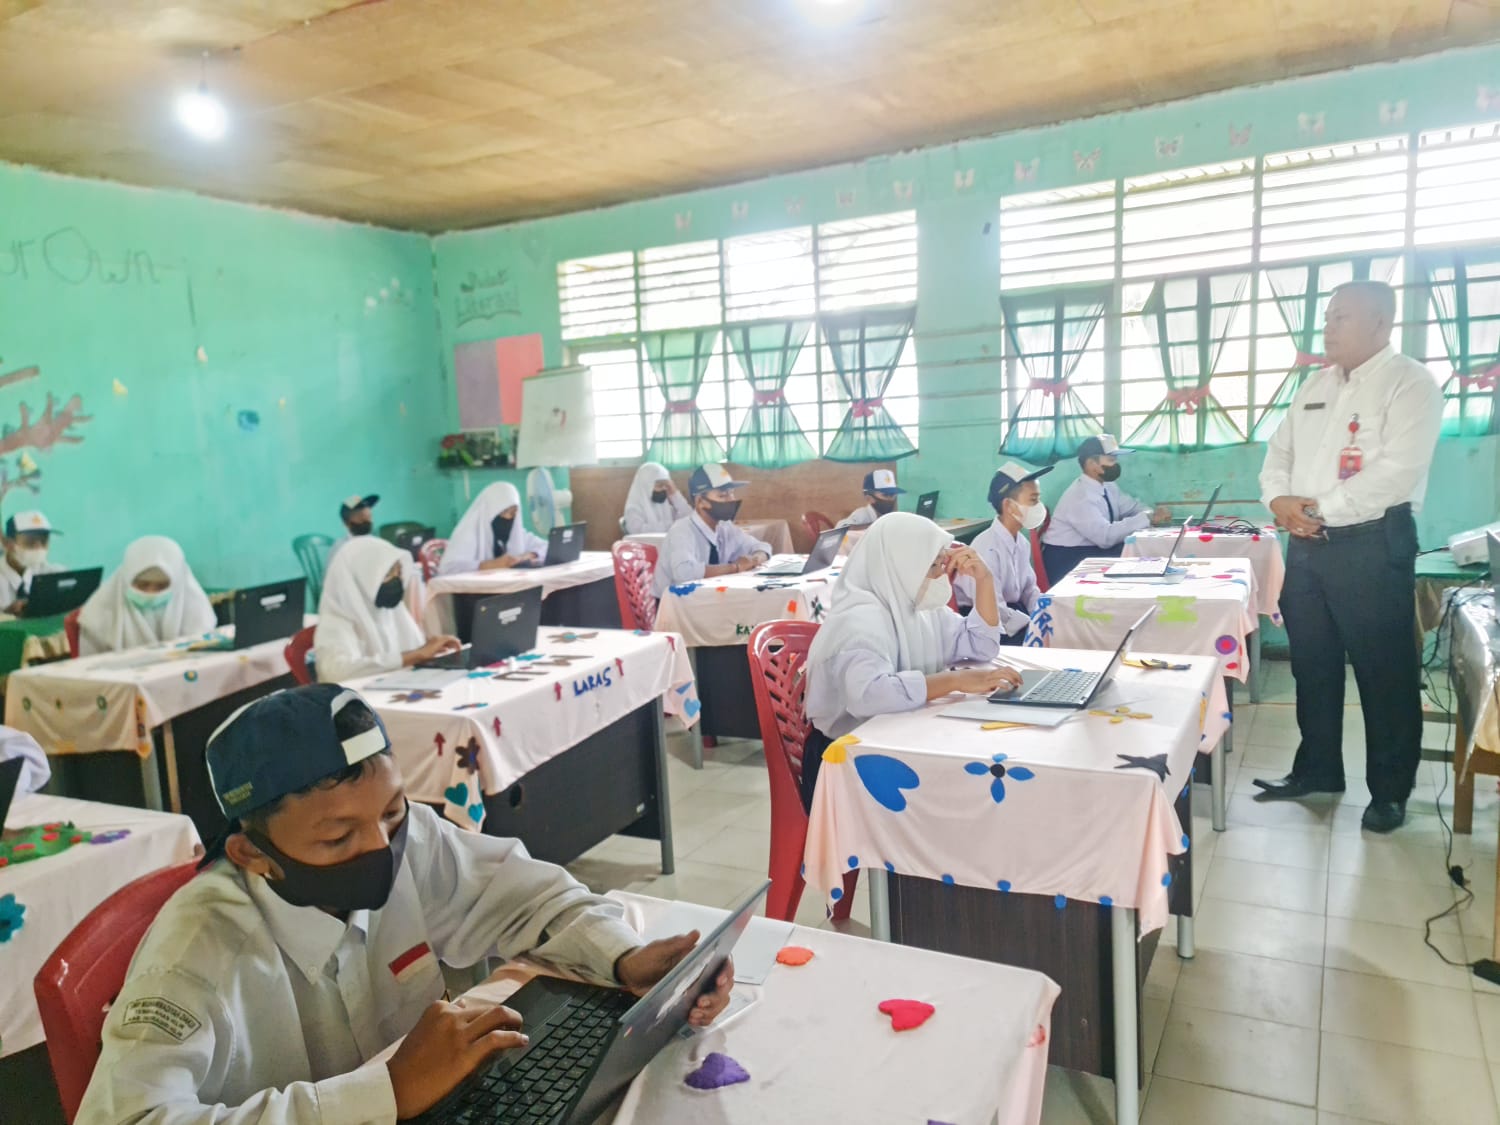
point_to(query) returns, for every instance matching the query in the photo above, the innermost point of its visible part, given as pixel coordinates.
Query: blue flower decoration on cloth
(684, 589)
(998, 771)
(886, 778)
(109, 837)
(11, 917)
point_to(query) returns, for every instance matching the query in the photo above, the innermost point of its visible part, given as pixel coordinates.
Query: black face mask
(361, 528)
(361, 883)
(658, 498)
(391, 591)
(1109, 472)
(500, 527)
(882, 506)
(722, 510)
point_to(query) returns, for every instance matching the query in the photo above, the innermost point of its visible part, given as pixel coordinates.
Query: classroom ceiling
(436, 114)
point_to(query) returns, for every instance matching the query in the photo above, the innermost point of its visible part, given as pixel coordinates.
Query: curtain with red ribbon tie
(767, 351)
(866, 347)
(1048, 336)
(1188, 319)
(679, 359)
(1465, 295)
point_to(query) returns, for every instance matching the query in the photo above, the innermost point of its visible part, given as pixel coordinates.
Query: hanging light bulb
(200, 113)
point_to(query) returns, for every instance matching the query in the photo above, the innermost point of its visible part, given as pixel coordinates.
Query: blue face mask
(148, 603)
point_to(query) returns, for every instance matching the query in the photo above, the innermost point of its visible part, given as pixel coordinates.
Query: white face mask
(31, 557)
(1033, 517)
(935, 593)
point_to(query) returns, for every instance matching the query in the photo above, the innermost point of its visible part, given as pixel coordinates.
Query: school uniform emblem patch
(411, 963)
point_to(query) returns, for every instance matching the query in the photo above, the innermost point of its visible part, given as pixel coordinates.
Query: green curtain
(1048, 339)
(770, 437)
(679, 360)
(866, 347)
(1188, 319)
(1466, 305)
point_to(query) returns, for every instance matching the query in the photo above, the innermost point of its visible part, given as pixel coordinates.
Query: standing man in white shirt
(881, 492)
(1344, 473)
(1006, 553)
(1093, 516)
(27, 537)
(707, 544)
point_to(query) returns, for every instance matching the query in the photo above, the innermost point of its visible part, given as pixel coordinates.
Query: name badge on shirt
(1313, 405)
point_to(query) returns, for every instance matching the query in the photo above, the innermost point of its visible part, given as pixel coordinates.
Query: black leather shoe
(1384, 816)
(1290, 788)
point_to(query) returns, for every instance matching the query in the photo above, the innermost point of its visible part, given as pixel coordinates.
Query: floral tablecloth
(724, 611)
(1208, 613)
(437, 617)
(1262, 547)
(1081, 811)
(481, 733)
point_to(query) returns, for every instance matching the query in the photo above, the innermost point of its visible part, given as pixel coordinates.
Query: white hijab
(355, 637)
(473, 541)
(644, 516)
(109, 623)
(875, 599)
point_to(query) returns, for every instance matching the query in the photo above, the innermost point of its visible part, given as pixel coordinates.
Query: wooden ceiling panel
(443, 113)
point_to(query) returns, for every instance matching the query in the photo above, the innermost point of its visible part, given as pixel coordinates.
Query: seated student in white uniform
(1093, 516)
(36, 771)
(881, 492)
(311, 938)
(364, 626)
(707, 543)
(152, 597)
(490, 536)
(886, 644)
(358, 520)
(27, 536)
(654, 504)
(1006, 553)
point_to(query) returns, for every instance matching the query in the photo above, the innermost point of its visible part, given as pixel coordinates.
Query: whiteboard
(557, 419)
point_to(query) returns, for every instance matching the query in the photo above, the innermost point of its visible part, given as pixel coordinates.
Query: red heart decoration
(907, 1014)
(1205, 538)
(794, 955)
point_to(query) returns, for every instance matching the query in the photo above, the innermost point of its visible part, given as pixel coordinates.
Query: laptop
(824, 551)
(587, 1042)
(564, 545)
(10, 781)
(1209, 508)
(412, 539)
(55, 594)
(268, 613)
(1071, 689)
(927, 505)
(505, 626)
(1160, 568)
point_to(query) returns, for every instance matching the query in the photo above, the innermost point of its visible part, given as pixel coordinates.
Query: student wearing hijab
(364, 626)
(152, 597)
(707, 543)
(1006, 553)
(491, 536)
(654, 504)
(881, 492)
(886, 644)
(27, 536)
(1093, 516)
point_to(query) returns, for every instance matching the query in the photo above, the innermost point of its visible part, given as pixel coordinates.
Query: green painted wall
(322, 330)
(958, 329)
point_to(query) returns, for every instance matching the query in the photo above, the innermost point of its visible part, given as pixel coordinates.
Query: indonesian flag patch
(411, 963)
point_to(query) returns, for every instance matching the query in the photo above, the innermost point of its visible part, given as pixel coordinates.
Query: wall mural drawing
(54, 427)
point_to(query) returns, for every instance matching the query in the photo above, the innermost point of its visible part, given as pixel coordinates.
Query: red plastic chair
(635, 567)
(816, 523)
(1036, 554)
(70, 630)
(77, 984)
(430, 555)
(778, 659)
(296, 653)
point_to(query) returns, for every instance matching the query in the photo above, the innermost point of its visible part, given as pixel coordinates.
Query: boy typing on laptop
(311, 939)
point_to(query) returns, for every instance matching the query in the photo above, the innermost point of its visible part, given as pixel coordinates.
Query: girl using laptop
(152, 597)
(490, 536)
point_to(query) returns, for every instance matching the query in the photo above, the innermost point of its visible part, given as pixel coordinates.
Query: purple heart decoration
(717, 1071)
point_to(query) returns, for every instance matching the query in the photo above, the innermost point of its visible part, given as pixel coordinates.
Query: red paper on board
(517, 358)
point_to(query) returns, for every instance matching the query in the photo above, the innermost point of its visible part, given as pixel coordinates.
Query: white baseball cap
(881, 480)
(29, 521)
(706, 478)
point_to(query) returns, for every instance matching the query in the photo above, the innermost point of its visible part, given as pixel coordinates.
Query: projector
(1469, 548)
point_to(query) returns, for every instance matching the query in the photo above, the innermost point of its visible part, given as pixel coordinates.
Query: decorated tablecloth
(726, 610)
(1262, 547)
(590, 566)
(775, 532)
(980, 1058)
(1082, 811)
(1476, 652)
(43, 899)
(481, 733)
(1208, 613)
(113, 700)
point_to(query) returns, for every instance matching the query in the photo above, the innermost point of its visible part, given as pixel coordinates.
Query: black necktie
(713, 555)
(1110, 508)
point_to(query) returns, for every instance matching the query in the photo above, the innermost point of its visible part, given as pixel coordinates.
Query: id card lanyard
(1351, 459)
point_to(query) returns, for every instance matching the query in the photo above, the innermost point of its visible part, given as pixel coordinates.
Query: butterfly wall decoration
(794, 205)
(843, 199)
(684, 220)
(903, 189)
(1393, 113)
(1487, 98)
(1310, 124)
(1168, 147)
(1026, 170)
(963, 179)
(1086, 161)
(739, 209)
(1239, 138)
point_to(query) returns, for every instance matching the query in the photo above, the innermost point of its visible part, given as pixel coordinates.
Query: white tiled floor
(1312, 1000)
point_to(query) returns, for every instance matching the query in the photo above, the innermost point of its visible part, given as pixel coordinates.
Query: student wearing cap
(490, 536)
(890, 639)
(310, 940)
(707, 543)
(1006, 553)
(1093, 516)
(152, 597)
(881, 492)
(358, 520)
(27, 536)
(364, 626)
(654, 504)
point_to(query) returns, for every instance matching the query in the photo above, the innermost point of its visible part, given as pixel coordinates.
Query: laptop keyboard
(540, 1085)
(1062, 687)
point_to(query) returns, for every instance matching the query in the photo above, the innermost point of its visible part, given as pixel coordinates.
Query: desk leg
(1219, 785)
(663, 800)
(1463, 779)
(1255, 665)
(695, 732)
(1229, 701)
(151, 782)
(1185, 948)
(1127, 1047)
(880, 903)
(169, 748)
